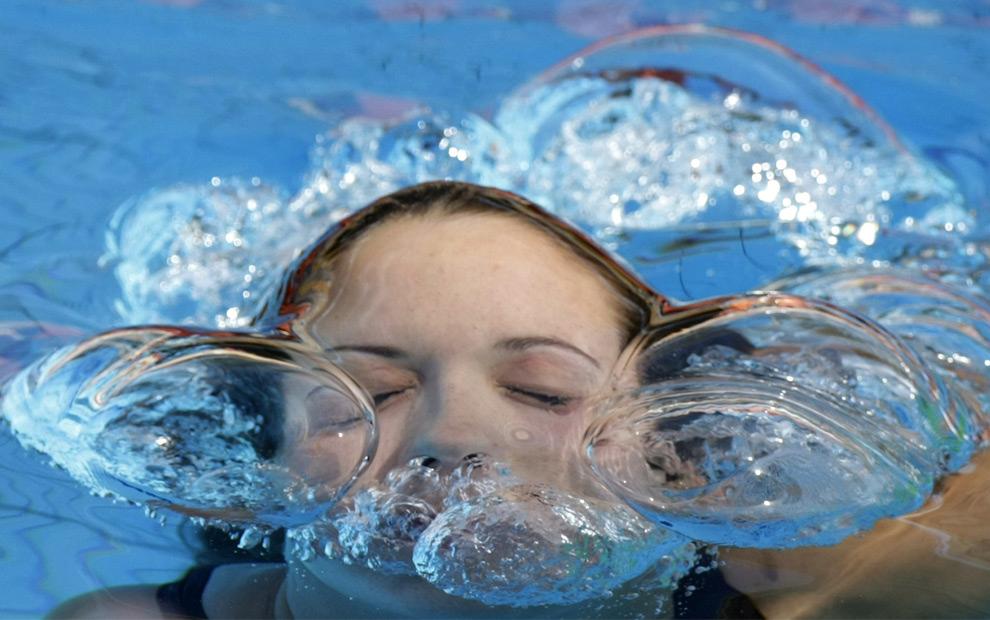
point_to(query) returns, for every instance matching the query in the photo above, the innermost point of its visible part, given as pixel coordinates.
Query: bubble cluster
(379, 526)
(620, 152)
(646, 153)
(481, 533)
(209, 255)
(361, 160)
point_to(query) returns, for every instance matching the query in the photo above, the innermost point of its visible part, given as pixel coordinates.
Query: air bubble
(168, 417)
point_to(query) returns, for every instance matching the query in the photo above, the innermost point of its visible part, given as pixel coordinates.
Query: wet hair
(638, 304)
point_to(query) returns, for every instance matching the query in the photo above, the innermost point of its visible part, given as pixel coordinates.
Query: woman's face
(474, 333)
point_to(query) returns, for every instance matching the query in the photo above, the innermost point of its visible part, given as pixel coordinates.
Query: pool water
(103, 101)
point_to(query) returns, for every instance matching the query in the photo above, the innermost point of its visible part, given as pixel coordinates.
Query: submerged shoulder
(244, 590)
(130, 602)
(226, 591)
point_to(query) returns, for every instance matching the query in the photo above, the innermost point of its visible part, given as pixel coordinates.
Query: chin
(323, 582)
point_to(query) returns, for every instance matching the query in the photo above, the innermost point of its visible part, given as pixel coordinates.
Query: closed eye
(338, 426)
(537, 398)
(383, 398)
(328, 411)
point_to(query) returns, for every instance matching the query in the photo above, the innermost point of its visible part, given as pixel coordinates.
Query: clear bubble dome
(212, 426)
(777, 421)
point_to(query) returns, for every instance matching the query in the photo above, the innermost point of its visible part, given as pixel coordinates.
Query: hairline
(441, 198)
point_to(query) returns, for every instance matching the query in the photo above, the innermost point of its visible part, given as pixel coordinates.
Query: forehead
(490, 272)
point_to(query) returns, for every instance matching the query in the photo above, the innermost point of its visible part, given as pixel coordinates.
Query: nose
(452, 421)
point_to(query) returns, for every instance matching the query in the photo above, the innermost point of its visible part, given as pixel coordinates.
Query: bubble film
(531, 545)
(945, 324)
(216, 428)
(778, 421)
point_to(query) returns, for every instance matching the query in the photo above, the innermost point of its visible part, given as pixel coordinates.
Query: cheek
(323, 462)
(552, 459)
(395, 434)
(543, 437)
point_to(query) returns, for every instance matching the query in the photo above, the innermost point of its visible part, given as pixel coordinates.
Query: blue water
(103, 101)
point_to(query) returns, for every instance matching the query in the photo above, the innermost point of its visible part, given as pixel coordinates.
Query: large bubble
(531, 545)
(776, 421)
(691, 143)
(227, 427)
(947, 325)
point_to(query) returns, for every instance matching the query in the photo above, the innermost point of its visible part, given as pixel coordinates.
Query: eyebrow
(521, 344)
(386, 352)
(509, 344)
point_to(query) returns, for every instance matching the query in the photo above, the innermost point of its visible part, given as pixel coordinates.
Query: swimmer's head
(477, 322)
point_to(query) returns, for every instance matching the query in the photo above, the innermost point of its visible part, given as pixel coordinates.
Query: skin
(474, 333)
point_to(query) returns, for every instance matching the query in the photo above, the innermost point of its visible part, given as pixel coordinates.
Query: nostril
(474, 459)
(430, 462)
